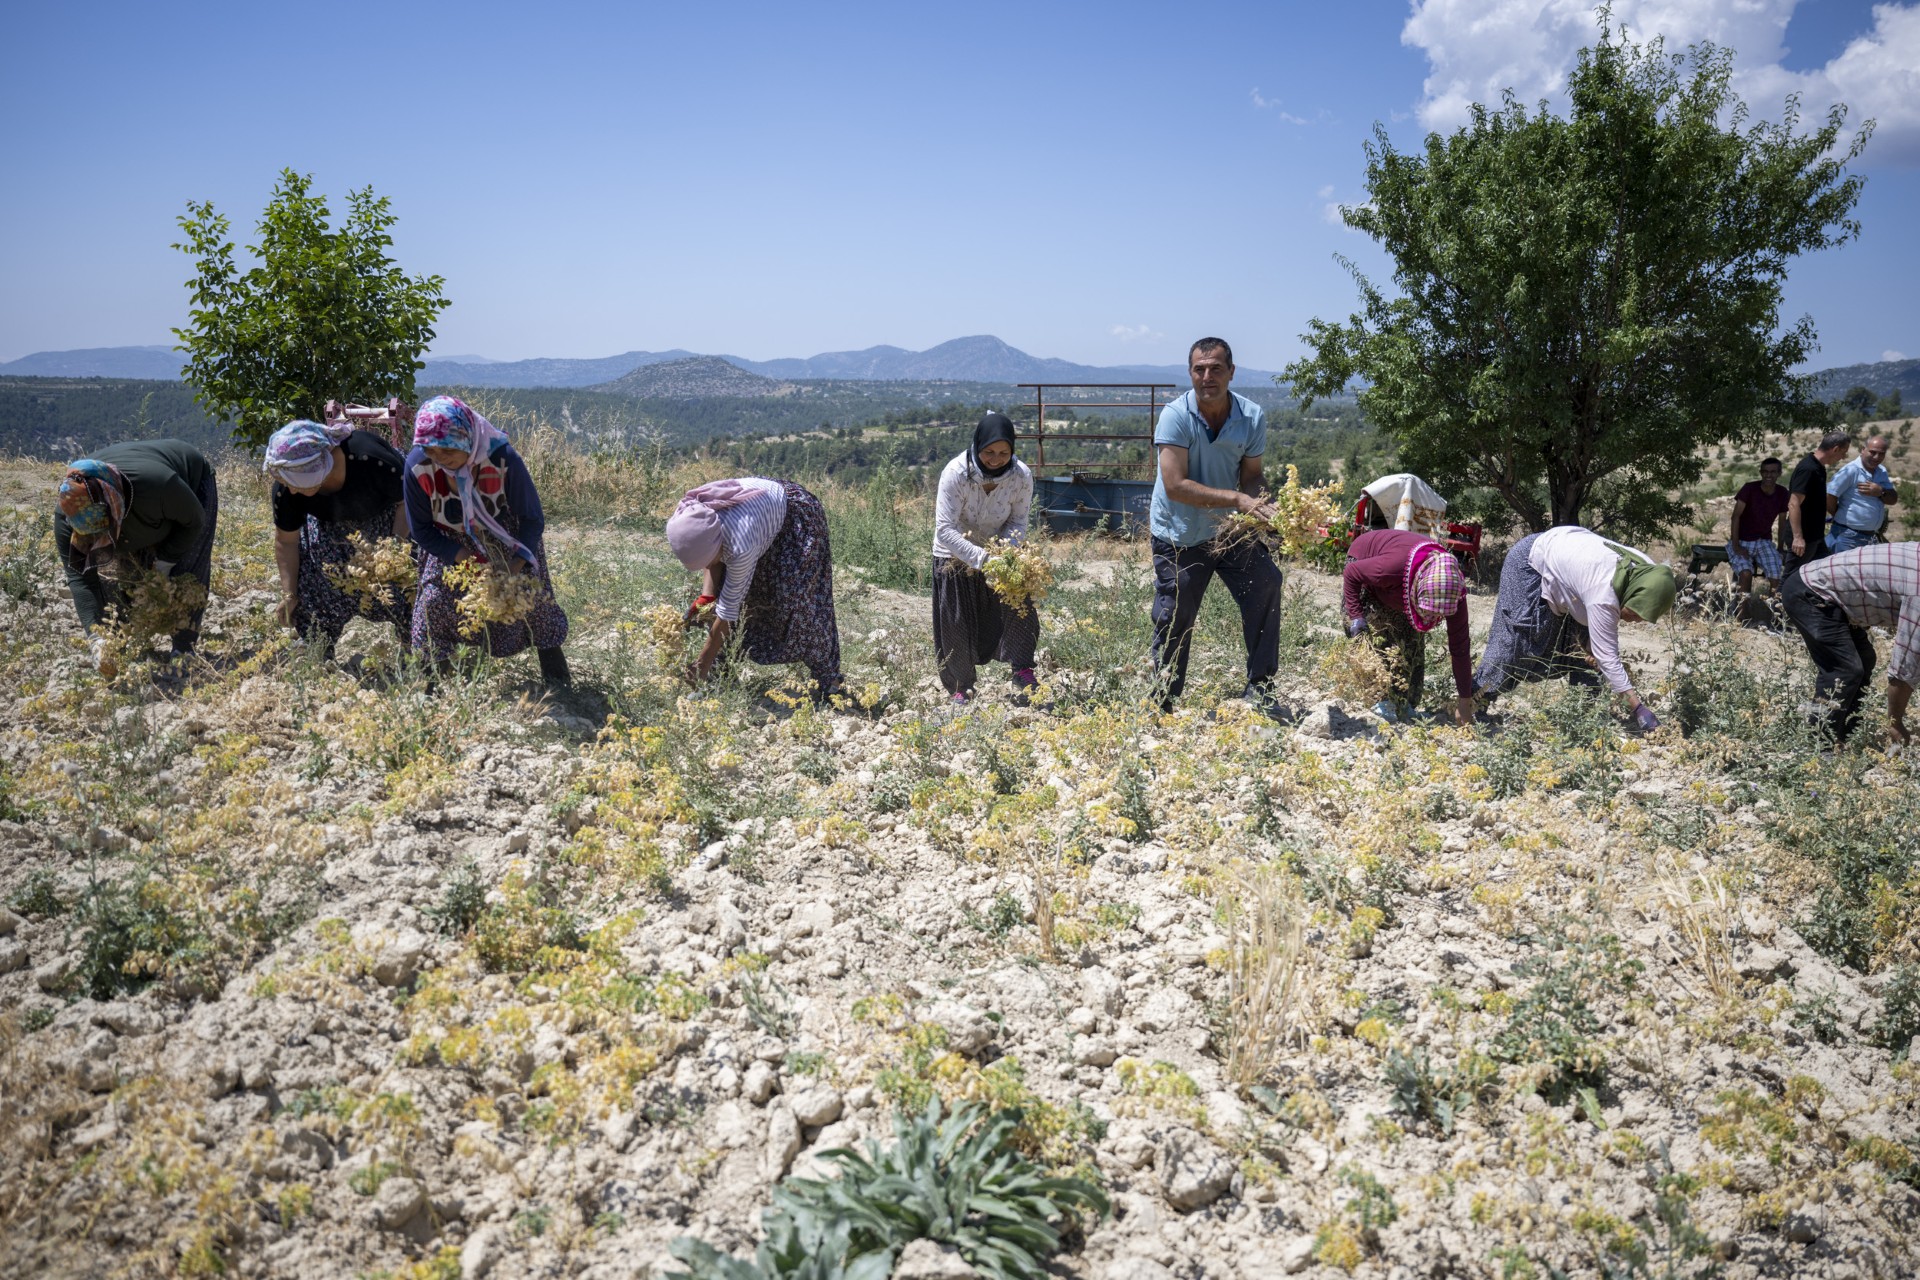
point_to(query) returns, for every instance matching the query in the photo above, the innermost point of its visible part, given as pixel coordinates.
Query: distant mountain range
(691, 378)
(1883, 377)
(983, 358)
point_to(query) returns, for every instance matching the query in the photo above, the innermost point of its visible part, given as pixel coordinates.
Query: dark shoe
(553, 668)
(1024, 683)
(1262, 698)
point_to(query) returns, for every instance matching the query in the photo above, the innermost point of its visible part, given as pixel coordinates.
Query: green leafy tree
(1856, 404)
(1584, 302)
(325, 315)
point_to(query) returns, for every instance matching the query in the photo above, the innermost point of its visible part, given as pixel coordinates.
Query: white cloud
(1326, 192)
(1893, 355)
(1476, 49)
(1265, 103)
(1137, 333)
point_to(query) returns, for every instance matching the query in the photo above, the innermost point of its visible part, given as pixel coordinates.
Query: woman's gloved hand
(1355, 626)
(164, 568)
(701, 610)
(1643, 716)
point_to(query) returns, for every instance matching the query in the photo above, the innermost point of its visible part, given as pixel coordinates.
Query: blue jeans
(1842, 538)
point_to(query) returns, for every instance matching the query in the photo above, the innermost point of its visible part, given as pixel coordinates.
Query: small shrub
(462, 904)
(955, 1181)
(1900, 1016)
(1437, 1096)
(1551, 1027)
(40, 896)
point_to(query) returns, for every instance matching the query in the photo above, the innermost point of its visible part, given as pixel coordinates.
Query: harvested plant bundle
(1299, 514)
(1018, 573)
(377, 573)
(491, 592)
(1359, 672)
(152, 604)
(666, 631)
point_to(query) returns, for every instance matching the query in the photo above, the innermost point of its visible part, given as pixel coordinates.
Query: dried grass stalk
(1703, 908)
(1264, 914)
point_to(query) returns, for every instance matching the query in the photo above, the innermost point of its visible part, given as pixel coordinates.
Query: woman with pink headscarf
(470, 497)
(1398, 585)
(761, 548)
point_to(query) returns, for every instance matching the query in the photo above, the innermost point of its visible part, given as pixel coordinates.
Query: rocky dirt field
(312, 969)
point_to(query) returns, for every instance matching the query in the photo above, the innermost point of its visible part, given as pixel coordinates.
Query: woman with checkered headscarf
(1399, 585)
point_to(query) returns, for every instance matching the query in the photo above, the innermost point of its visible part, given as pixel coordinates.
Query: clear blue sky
(1101, 182)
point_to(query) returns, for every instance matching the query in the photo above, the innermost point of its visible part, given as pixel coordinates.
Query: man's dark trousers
(1843, 653)
(1180, 578)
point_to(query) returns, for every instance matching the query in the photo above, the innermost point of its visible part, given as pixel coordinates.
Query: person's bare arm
(1898, 691)
(400, 521)
(286, 558)
(1794, 503)
(1181, 488)
(1833, 503)
(1253, 477)
(1733, 529)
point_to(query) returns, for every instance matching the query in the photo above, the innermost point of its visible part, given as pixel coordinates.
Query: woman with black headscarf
(985, 494)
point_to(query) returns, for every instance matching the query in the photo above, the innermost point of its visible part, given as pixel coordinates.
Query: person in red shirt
(1399, 585)
(1756, 509)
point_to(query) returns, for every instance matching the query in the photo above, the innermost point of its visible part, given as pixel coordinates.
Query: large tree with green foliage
(1583, 303)
(324, 315)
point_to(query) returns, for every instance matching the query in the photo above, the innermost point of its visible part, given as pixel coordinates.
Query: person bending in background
(1397, 586)
(1757, 508)
(1563, 595)
(330, 483)
(472, 499)
(1833, 601)
(1858, 497)
(1807, 499)
(761, 546)
(985, 494)
(1208, 447)
(142, 505)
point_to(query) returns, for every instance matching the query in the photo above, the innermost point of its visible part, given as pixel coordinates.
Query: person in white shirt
(985, 494)
(1563, 595)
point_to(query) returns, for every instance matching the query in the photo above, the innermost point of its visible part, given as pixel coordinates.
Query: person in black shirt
(330, 483)
(1807, 499)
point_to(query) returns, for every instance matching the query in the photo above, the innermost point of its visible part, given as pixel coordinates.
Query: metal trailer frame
(1039, 436)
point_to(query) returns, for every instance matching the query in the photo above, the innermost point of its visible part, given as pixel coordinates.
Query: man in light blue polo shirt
(1858, 497)
(1208, 445)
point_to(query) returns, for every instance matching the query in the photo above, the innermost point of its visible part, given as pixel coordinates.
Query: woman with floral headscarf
(470, 497)
(1399, 585)
(985, 494)
(1563, 595)
(331, 482)
(142, 505)
(761, 548)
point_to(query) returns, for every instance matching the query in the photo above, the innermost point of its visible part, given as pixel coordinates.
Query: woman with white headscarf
(331, 482)
(761, 546)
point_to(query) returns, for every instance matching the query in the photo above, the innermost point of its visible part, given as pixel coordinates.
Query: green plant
(1437, 1096)
(1818, 1014)
(1002, 917)
(1136, 803)
(955, 1181)
(1552, 1026)
(326, 315)
(1900, 1012)
(40, 896)
(462, 902)
(1669, 1245)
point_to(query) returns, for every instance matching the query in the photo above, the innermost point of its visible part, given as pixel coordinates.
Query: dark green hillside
(67, 417)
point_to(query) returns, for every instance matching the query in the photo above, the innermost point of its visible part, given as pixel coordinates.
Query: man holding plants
(1833, 601)
(1208, 445)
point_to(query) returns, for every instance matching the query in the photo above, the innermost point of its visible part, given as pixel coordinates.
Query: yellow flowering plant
(1018, 573)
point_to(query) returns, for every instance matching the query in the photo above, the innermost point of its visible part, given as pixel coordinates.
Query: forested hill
(811, 428)
(1882, 378)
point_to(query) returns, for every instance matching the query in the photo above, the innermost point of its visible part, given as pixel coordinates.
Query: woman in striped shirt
(761, 546)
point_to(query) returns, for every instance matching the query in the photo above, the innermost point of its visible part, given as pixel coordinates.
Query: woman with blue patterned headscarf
(470, 497)
(145, 504)
(331, 482)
